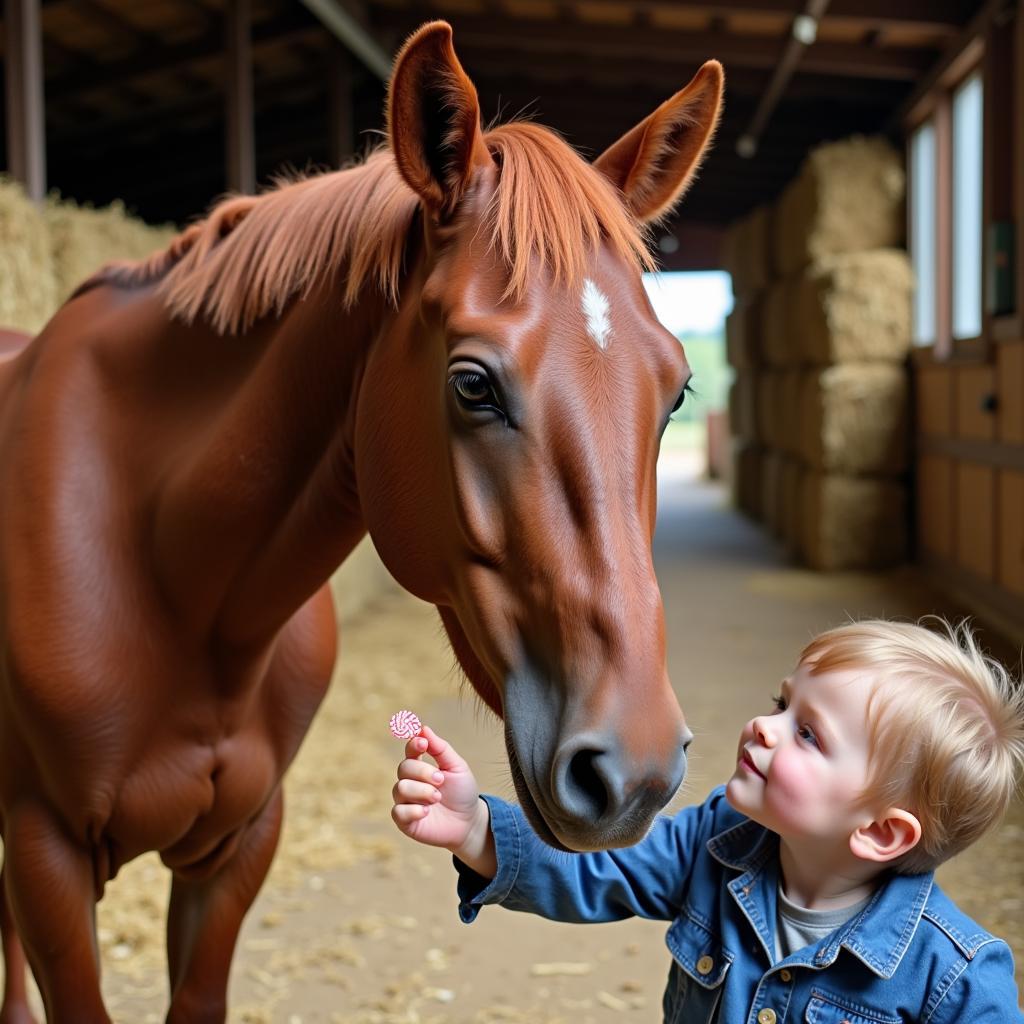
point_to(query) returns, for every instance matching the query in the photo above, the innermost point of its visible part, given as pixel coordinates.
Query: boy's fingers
(421, 771)
(416, 746)
(407, 791)
(441, 751)
(406, 815)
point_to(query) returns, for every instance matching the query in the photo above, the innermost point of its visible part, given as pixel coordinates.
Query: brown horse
(447, 346)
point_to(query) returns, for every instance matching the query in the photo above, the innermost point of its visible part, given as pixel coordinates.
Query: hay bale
(746, 477)
(854, 419)
(773, 467)
(758, 246)
(743, 334)
(768, 406)
(788, 400)
(28, 287)
(743, 408)
(847, 197)
(791, 504)
(731, 242)
(83, 239)
(779, 338)
(849, 522)
(745, 253)
(855, 307)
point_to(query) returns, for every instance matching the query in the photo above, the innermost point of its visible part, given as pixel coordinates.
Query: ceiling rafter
(171, 59)
(661, 79)
(661, 45)
(938, 16)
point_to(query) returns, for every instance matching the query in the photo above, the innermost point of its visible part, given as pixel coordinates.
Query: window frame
(937, 108)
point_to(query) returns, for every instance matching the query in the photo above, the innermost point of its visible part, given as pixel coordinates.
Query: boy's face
(802, 767)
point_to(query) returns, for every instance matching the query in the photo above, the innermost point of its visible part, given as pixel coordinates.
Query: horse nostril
(587, 791)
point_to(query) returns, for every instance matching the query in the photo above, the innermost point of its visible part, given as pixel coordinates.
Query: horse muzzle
(587, 789)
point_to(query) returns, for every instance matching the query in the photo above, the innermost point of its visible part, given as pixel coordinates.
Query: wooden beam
(350, 31)
(26, 114)
(662, 79)
(933, 16)
(240, 136)
(142, 39)
(657, 45)
(170, 59)
(961, 53)
(802, 35)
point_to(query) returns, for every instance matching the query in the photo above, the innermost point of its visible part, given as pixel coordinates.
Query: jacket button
(786, 976)
(766, 1016)
(705, 965)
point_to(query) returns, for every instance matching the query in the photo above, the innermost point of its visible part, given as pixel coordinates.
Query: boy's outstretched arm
(441, 806)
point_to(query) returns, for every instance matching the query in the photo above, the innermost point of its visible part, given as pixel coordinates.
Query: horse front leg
(205, 917)
(49, 901)
(14, 1009)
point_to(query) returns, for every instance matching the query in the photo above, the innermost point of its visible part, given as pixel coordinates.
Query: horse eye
(473, 390)
(688, 390)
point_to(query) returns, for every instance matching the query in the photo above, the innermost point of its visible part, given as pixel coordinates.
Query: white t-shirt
(796, 926)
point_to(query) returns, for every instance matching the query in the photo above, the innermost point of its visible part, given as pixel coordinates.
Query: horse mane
(252, 254)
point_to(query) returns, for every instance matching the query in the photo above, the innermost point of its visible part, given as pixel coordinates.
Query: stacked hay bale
(45, 252)
(747, 259)
(83, 239)
(28, 286)
(832, 386)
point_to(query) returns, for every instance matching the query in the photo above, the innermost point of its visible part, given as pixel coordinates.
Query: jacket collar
(878, 936)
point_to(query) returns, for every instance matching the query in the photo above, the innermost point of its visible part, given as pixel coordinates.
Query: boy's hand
(441, 806)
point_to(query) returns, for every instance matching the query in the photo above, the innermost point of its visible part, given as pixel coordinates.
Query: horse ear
(653, 163)
(434, 119)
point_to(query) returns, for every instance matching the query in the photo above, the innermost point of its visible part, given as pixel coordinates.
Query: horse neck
(269, 502)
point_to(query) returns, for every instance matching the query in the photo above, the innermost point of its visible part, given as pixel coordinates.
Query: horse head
(508, 430)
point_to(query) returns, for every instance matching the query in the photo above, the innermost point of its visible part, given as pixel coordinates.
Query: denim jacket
(909, 955)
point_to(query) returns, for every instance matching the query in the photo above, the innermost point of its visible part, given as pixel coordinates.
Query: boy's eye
(779, 702)
(806, 733)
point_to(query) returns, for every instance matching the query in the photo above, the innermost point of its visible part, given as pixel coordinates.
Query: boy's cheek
(789, 781)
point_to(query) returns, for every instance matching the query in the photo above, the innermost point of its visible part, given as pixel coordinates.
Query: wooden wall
(969, 395)
(969, 499)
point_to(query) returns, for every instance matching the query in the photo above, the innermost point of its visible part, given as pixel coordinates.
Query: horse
(446, 345)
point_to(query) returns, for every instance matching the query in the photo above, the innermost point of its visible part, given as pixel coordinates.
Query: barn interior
(870, 460)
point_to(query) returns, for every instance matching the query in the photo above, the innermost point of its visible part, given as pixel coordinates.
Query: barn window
(946, 218)
(923, 207)
(966, 198)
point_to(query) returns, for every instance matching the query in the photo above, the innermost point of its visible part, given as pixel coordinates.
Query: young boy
(803, 889)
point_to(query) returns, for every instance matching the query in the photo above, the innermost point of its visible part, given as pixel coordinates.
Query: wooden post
(341, 101)
(1017, 142)
(240, 142)
(26, 126)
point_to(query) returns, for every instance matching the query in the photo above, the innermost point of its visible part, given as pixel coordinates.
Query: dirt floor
(358, 925)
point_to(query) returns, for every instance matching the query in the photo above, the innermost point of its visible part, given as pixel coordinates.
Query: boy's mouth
(748, 762)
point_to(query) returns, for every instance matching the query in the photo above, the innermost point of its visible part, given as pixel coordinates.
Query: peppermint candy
(404, 725)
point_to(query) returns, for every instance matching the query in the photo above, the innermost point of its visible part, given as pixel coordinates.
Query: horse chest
(189, 800)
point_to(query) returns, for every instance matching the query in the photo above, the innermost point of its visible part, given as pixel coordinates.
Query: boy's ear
(889, 836)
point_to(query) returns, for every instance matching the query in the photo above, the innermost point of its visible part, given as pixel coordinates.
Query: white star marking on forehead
(595, 309)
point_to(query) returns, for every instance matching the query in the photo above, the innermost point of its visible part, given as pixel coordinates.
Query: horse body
(177, 483)
(142, 705)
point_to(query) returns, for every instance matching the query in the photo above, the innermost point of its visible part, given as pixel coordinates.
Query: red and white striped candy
(404, 725)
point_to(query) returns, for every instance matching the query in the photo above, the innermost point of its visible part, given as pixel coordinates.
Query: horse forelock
(253, 254)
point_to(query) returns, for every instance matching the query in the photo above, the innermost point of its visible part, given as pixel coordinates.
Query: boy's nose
(764, 733)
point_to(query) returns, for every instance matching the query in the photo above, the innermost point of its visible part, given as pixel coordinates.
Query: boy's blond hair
(947, 728)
